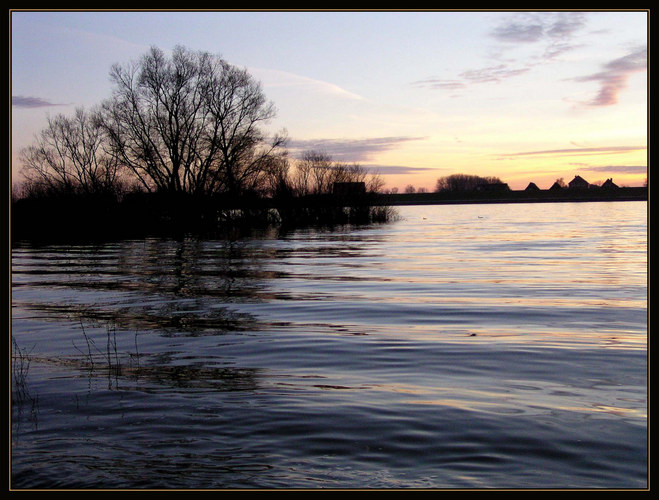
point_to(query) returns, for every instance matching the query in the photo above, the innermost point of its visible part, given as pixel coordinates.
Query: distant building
(532, 187)
(349, 188)
(556, 186)
(578, 183)
(493, 187)
(608, 184)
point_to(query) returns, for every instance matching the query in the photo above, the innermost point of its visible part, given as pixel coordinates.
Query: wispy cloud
(552, 32)
(31, 102)
(578, 151)
(524, 31)
(492, 73)
(621, 169)
(535, 27)
(282, 79)
(350, 150)
(615, 75)
(438, 83)
(394, 169)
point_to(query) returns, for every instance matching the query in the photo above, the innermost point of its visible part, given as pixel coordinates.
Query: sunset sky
(524, 96)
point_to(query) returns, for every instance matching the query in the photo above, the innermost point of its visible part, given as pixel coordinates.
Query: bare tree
(190, 123)
(69, 155)
(316, 174)
(237, 108)
(309, 173)
(276, 182)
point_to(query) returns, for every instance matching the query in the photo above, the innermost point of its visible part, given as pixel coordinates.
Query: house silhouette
(578, 183)
(608, 184)
(349, 188)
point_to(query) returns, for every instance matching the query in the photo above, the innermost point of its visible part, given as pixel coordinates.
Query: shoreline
(77, 219)
(543, 196)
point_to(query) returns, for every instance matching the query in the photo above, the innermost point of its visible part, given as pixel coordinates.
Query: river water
(467, 346)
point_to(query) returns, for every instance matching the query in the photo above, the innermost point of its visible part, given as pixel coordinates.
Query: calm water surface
(471, 346)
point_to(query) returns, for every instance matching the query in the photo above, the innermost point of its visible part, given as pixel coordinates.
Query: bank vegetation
(181, 144)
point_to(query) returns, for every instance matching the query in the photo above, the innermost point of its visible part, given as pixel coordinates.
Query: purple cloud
(519, 32)
(613, 79)
(394, 169)
(349, 150)
(553, 30)
(435, 83)
(579, 151)
(492, 73)
(538, 26)
(30, 102)
(623, 169)
(566, 24)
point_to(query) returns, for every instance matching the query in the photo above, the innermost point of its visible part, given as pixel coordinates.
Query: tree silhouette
(316, 173)
(70, 156)
(463, 182)
(190, 124)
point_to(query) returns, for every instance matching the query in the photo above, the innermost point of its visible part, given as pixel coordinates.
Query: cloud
(621, 169)
(492, 73)
(540, 26)
(31, 102)
(394, 169)
(436, 83)
(556, 48)
(552, 31)
(613, 79)
(578, 151)
(519, 32)
(350, 150)
(282, 79)
(565, 24)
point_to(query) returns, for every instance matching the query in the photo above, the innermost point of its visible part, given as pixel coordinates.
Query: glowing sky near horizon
(524, 96)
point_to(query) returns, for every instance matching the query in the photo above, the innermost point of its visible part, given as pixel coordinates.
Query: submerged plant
(20, 365)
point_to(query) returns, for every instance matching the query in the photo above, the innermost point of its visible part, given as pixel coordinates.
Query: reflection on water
(462, 346)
